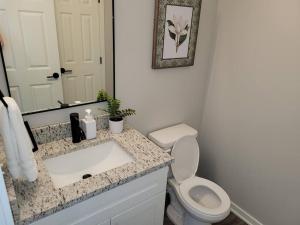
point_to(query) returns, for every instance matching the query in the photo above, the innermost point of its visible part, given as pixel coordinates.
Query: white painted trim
(245, 216)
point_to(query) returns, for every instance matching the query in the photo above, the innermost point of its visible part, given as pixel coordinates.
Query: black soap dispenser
(77, 133)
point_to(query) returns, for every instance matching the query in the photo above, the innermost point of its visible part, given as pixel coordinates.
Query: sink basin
(73, 167)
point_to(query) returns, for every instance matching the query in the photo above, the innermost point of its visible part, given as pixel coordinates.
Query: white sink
(70, 168)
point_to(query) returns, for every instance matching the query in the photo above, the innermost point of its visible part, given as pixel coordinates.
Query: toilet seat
(217, 199)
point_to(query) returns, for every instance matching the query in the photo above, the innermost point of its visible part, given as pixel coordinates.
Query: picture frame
(176, 24)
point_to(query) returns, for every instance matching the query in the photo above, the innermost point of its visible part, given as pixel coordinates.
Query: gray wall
(251, 128)
(161, 97)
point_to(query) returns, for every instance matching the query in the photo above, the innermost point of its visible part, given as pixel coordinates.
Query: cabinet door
(150, 212)
(91, 221)
(105, 223)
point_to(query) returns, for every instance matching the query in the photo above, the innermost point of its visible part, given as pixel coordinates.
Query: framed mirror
(57, 53)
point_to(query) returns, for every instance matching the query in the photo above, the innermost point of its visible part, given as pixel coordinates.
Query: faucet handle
(82, 134)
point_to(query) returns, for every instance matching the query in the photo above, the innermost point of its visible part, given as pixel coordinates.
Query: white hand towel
(10, 144)
(23, 152)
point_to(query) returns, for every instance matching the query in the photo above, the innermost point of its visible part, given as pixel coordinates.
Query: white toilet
(194, 200)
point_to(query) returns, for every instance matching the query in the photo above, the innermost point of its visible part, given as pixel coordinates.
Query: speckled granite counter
(33, 201)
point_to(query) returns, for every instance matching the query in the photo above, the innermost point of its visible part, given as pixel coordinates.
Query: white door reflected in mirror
(56, 51)
(85, 73)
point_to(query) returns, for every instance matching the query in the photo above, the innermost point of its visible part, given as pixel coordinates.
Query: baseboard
(245, 216)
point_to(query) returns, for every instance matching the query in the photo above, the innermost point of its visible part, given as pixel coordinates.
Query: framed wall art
(175, 33)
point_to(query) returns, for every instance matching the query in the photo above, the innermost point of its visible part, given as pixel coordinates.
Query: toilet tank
(166, 138)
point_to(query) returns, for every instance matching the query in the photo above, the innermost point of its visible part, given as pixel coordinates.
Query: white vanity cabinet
(138, 202)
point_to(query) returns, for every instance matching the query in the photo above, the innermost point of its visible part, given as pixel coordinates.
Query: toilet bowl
(194, 200)
(204, 200)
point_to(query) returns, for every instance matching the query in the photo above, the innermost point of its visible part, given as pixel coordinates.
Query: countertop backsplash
(60, 131)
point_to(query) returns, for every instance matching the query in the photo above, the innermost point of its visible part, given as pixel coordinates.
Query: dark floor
(230, 220)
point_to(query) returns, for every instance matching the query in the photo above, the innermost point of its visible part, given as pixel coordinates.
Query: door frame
(4, 69)
(82, 104)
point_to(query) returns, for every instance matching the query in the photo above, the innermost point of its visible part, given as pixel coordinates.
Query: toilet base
(174, 216)
(189, 220)
(177, 214)
(186, 219)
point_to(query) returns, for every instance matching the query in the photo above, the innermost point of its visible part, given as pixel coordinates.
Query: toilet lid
(186, 158)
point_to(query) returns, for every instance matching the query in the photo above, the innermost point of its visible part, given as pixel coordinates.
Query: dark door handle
(63, 105)
(54, 76)
(63, 70)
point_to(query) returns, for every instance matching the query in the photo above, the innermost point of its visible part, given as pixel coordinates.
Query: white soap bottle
(89, 125)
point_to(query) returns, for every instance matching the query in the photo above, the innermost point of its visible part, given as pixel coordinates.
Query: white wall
(161, 97)
(251, 128)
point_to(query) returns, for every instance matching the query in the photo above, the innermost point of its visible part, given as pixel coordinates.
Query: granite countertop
(33, 201)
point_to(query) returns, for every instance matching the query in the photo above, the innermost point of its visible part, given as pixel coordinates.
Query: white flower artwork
(177, 31)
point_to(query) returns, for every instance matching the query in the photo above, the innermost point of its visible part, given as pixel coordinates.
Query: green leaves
(182, 39)
(170, 23)
(127, 112)
(172, 35)
(113, 106)
(187, 27)
(102, 96)
(171, 28)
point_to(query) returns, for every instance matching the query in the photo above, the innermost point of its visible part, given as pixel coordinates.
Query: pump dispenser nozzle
(88, 115)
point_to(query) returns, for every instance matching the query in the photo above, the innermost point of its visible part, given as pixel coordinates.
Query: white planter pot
(116, 127)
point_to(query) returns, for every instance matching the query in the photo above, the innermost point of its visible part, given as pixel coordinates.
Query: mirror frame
(72, 106)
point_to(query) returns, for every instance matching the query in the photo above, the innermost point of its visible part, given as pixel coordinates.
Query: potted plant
(116, 115)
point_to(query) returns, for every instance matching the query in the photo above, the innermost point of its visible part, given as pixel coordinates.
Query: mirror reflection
(57, 53)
